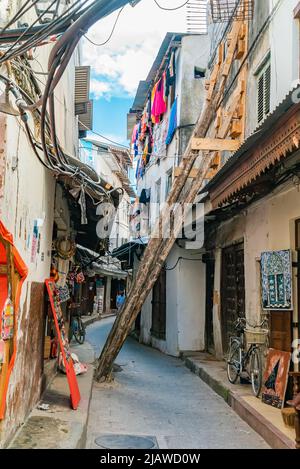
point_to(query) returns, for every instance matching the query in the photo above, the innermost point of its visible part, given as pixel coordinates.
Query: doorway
(232, 290)
(209, 328)
(159, 307)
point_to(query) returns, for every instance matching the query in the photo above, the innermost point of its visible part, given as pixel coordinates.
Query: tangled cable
(55, 158)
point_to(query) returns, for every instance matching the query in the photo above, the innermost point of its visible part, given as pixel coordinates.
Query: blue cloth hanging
(172, 123)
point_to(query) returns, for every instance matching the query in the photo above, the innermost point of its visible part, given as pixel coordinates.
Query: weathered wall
(267, 225)
(185, 313)
(28, 195)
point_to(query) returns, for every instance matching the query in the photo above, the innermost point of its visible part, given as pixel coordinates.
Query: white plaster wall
(29, 195)
(191, 303)
(267, 225)
(185, 309)
(285, 53)
(105, 165)
(185, 315)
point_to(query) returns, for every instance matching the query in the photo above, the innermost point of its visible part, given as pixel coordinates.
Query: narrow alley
(156, 395)
(150, 227)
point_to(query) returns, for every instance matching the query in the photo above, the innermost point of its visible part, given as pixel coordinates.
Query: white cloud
(126, 59)
(99, 88)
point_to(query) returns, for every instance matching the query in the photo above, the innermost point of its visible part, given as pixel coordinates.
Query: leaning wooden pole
(158, 249)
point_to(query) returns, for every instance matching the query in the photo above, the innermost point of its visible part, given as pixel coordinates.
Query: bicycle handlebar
(243, 321)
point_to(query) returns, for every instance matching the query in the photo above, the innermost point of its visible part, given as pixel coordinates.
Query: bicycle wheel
(233, 362)
(79, 330)
(256, 371)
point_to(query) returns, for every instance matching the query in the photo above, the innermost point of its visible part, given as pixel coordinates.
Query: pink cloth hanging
(159, 106)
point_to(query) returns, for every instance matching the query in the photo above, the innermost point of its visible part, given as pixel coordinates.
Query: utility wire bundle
(72, 25)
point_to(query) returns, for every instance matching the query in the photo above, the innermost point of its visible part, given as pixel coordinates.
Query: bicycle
(249, 361)
(77, 328)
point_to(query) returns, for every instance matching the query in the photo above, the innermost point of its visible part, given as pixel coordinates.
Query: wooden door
(232, 290)
(159, 309)
(84, 298)
(209, 329)
(281, 330)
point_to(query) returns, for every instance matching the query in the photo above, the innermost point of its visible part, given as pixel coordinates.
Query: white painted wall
(28, 194)
(285, 49)
(105, 164)
(185, 315)
(268, 225)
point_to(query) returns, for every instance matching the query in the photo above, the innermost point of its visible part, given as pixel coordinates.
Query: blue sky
(119, 65)
(110, 117)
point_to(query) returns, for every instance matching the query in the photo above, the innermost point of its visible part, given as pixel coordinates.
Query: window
(199, 73)
(158, 187)
(169, 180)
(264, 92)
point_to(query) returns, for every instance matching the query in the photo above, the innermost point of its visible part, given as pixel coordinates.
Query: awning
(125, 253)
(102, 265)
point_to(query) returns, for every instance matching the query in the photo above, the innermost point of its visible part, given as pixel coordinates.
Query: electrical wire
(102, 136)
(181, 259)
(21, 12)
(61, 23)
(111, 34)
(29, 28)
(171, 9)
(60, 55)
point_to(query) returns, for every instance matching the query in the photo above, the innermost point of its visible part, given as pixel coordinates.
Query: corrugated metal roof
(258, 133)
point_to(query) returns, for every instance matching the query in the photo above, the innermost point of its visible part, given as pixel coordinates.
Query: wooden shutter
(267, 89)
(264, 93)
(260, 99)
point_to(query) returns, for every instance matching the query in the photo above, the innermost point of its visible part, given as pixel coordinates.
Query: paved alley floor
(156, 395)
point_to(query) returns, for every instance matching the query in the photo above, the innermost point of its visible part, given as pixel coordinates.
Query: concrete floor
(156, 395)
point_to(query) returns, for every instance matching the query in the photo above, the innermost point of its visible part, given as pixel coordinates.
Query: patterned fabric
(276, 275)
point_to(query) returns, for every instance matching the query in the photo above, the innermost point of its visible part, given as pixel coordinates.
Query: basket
(255, 337)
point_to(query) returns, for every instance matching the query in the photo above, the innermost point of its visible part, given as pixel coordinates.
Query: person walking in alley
(120, 300)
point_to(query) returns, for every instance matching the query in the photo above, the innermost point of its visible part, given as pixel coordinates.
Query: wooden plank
(241, 49)
(3, 270)
(234, 34)
(297, 12)
(212, 81)
(236, 129)
(4, 370)
(215, 144)
(228, 114)
(178, 171)
(211, 173)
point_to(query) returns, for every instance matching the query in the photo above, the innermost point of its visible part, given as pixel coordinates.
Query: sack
(79, 367)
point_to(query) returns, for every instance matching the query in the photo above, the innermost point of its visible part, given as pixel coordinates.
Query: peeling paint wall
(268, 225)
(27, 195)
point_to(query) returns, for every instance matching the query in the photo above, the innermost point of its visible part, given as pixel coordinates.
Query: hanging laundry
(159, 106)
(145, 196)
(170, 74)
(172, 123)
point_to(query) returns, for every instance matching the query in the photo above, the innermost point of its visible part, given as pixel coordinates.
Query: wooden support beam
(215, 144)
(3, 269)
(236, 128)
(212, 81)
(234, 34)
(178, 171)
(241, 49)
